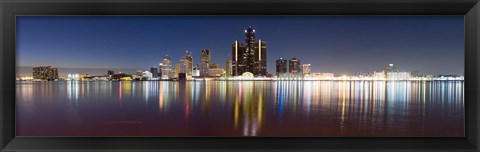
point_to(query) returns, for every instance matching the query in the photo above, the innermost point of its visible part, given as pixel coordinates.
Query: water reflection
(242, 108)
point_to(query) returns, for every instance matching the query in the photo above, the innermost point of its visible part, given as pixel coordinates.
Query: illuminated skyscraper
(188, 56)
(281, 66)
(177, 70)
(166, 67)
(294, 65)
(204, 62)
(251, 56)
(238, 58)
(229, 68)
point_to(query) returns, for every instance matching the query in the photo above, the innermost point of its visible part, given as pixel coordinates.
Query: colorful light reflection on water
(241, 108)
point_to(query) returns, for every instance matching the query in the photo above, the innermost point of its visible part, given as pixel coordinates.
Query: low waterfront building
(215, 72)
(321, 76)
(378, 75)
(73, 77)
(306, 69)
(196, 72)
(45, 73)
(147, 75)
(398, 75)
(119, 76)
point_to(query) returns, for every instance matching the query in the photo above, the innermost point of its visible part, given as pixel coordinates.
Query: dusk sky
(338, 44)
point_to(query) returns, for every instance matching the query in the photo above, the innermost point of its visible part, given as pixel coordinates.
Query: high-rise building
(294, 65)
(45, 73)
(250, 56)
(196, 71)
(154, 72)
(229, 68)
(189, 57)
(238, 58)
(166, 67)
(305, 69)
(204, 62)
(281, 66)
(177, 70)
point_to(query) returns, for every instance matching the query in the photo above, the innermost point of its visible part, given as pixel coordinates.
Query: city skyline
(436, 48)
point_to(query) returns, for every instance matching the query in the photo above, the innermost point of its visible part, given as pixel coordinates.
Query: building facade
(250, 56)
(305, 69)
(228, 66)
(294, 65)
(204, 62)
(154, 72)
(45, 73)
(189, 58)
(390, 68)
(166, 68)
(281, 66)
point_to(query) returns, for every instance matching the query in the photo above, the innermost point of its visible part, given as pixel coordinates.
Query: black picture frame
(11, 8)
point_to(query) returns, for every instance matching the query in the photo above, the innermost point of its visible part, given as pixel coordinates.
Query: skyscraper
(154, 72)
(229, 68)
(166, 67)
(294, 65)
(281, 66)
(188, 56)
(250, 56)
(204, 62)
(238, 58)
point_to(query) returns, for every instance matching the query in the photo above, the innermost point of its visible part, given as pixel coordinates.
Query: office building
(166, 68)
(378, 75)
(119, 76)
(249, 56)
(196, 71)
(188, 62)
(45, 73)
(398, 75)
(204, 62)
(294, 65)
(154, 72)
(216, 72)
(324, 76)
(390, 68)
(147, 75)
(229, 68)
(305, 69)
(177, 70)
(281, 66)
